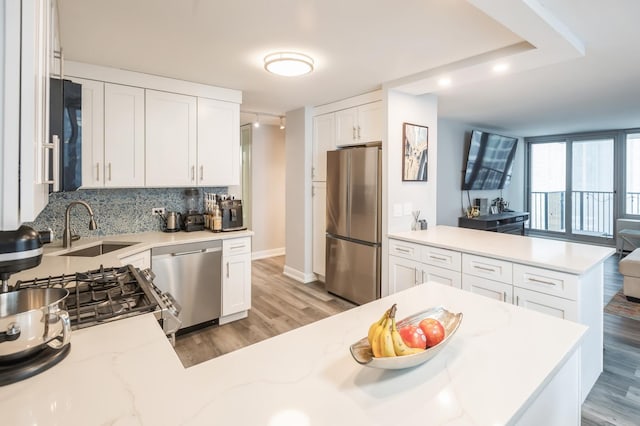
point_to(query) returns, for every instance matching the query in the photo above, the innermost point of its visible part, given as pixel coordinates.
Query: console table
(506, 222)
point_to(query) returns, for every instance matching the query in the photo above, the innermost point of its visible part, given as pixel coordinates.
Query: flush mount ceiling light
(256, 123)
(444, 82)
(281, 123)
(288, 64)
(501, 67)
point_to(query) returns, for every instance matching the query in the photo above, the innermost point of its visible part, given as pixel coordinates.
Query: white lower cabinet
(236, 278)
(547, 304)
(568, 296)
(489, 288)
(441, 276)
(140, 260)
(402, 273)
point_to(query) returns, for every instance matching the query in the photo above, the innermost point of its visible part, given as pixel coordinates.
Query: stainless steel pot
(30, 319)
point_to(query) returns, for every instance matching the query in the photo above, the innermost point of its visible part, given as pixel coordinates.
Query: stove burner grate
(99, 295)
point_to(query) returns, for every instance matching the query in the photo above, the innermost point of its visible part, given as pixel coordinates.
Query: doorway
(572, 186)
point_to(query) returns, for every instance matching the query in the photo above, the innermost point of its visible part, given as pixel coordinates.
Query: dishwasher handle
(199, 251)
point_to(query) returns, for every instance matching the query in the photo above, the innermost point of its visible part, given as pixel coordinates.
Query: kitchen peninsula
(505, 365)
(555, 277)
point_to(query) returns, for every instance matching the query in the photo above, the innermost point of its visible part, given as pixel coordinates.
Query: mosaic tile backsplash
(116, 211)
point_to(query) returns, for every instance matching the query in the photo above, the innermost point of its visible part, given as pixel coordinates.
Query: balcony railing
(592, 211)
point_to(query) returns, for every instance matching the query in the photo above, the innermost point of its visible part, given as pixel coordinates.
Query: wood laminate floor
(280, 304)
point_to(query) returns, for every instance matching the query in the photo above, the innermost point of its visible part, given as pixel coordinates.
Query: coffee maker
(231, 215)
(192, 219)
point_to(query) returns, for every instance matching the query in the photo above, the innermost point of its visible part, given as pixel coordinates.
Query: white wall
(268, 167)
(422, 110)
(453, 141)
(298, 147)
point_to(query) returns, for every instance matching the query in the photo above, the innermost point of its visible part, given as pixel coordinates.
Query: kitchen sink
(98, 249)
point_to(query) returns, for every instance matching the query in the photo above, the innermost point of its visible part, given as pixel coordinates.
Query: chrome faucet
(67, 237)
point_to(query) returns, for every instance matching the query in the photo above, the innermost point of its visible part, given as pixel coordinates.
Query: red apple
(413, 336)
(433, 331)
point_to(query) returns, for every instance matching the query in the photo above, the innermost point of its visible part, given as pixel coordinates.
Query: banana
(375, 326)
(400, 348)
(386, 342)
(375, 340)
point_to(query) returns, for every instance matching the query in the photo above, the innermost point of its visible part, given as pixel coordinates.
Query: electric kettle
(171, 222)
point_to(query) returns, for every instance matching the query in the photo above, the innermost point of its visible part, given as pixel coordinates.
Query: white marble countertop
(53, 264)
(574, 258)
(126, 373)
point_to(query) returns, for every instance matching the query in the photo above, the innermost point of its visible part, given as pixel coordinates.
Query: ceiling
(571, 67)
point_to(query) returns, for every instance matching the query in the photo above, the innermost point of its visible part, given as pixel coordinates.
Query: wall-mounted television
(489, 161)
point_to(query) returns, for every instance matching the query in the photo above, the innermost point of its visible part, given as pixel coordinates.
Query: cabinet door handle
(227, 269)
(403, 250)
(109, 172)
(354, 132)
(358, 132)
(504, 296)
(518, 300)
(193, 173)
(431, 256)
(201, 172)
(483, 268)
(98, 172)
(535, 280)
(53, 147)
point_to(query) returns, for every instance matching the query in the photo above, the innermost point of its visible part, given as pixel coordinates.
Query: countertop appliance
(353, 248)
(191, 272)
(97, 296)
(19, 250)
(171, 222)
(65, 131)
(192, 222)
(231, 211)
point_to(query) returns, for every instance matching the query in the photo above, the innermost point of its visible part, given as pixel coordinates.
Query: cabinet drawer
(441, 257)
(484, 267)
(236, 246)
(488, 288)
(545, 281)
(404, 249)
(546, 304)
(441, 276)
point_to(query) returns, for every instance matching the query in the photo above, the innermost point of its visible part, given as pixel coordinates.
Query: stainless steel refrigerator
(354, 223)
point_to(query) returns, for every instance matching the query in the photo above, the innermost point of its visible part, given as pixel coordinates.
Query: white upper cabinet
(170, 139)
(92, 133)
(158, 132)
(25, 37)
(123, 136)
(359, 125)
(324, 139)
(218, 152)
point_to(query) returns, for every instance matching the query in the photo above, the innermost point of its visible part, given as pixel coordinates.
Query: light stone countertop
(574, 258)
(52, 264)
(126, 373)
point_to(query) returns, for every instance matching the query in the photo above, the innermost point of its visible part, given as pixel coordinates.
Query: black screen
(489, 161)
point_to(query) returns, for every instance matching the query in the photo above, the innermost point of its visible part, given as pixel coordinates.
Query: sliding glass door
(548, 183)
(572, 186)
(632, 181)
(592, 191)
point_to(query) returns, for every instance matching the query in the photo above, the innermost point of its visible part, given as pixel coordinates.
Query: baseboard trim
(298, 276)
(263, 254)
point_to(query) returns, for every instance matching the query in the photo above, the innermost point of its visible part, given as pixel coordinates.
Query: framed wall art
(415, 140)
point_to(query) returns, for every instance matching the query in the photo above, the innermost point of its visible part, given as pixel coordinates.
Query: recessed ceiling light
(288, 64)
(501, 67)
(444, 82)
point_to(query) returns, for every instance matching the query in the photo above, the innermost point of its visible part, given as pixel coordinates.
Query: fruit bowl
(361, 351)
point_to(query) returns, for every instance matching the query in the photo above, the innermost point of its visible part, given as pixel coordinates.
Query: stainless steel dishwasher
(192, 274)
